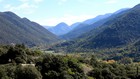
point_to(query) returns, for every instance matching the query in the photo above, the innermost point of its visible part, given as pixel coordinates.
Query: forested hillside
(21, 30)
(120, 31)
(123, 30)
(91, 24)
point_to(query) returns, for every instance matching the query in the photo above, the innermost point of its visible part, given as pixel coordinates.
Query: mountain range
(118, 30)
(15, 29)
(90, 24)
(112, 30)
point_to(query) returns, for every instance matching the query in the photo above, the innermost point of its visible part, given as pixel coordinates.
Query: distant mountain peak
(10, 13)
(62, 24)
(60, 29)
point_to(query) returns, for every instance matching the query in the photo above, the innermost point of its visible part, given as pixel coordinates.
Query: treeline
(112, 70)
(19, 62)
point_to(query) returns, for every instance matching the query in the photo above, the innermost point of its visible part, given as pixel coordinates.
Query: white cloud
(69, 19)
(25, 8)
(111, 1)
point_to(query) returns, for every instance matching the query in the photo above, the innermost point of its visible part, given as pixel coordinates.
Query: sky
(52, 12)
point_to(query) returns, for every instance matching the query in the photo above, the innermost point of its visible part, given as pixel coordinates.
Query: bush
(27, 72)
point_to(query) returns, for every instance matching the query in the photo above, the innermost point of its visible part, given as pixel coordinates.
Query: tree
(27, 72)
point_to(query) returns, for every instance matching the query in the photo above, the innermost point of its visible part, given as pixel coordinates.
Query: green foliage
(113, 70)
(60, 67)
(7, 71)
(14, 54)
(27, 72)
(49, 66)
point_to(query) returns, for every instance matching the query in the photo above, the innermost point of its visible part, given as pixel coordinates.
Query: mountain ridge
(119, 31)
(21, 30)
(83, 27)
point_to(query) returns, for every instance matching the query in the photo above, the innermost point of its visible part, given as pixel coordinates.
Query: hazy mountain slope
(60, 29)
(122, 30)
(85, 27)
(73, 26)
(75, 32)
(47, 27)
(97, 18)
(82, 28)
(21, 30)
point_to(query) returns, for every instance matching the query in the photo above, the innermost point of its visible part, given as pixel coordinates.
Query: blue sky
(52, 12)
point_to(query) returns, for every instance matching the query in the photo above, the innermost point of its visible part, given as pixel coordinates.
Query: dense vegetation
(21, 30)
(19, 62)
